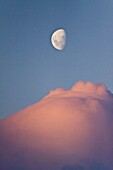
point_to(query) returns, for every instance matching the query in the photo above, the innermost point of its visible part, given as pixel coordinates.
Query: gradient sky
(30, 67)
(67, 130)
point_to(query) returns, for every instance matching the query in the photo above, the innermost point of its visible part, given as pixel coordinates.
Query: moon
(58, 39)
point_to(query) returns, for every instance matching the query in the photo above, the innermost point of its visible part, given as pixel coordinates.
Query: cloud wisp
(67, 130)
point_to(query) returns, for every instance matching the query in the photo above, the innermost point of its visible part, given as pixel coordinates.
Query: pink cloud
(66, 129)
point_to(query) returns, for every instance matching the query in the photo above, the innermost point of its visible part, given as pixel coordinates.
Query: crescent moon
(58, 39)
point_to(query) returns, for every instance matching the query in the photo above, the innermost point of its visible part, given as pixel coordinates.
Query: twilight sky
(30, 67)
(67, 130)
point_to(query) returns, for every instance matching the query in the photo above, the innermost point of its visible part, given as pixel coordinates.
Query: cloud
(67, 130)
(84, 89)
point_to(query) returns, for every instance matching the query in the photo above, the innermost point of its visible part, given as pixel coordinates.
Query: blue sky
(30, 67)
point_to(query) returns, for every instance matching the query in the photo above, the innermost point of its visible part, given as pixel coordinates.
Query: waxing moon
(58, 39)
